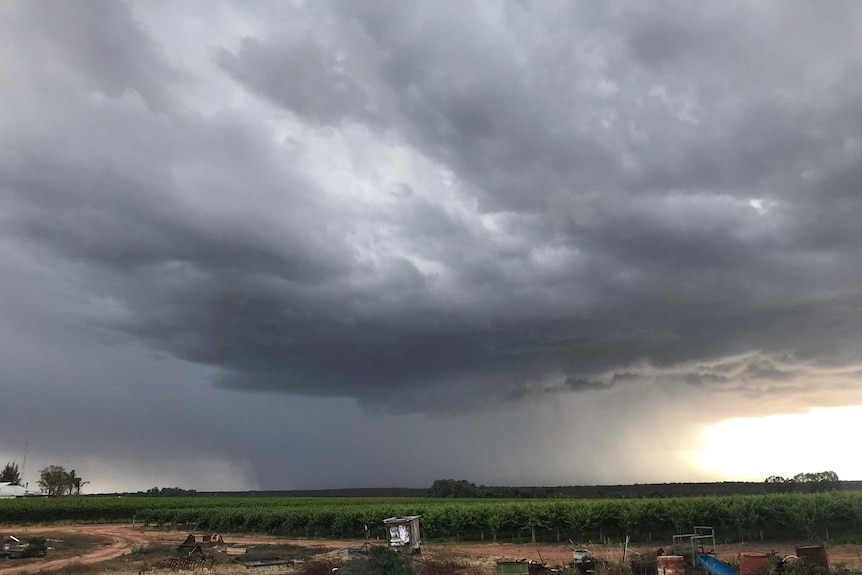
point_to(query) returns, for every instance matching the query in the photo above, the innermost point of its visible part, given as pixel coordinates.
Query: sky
(297, 245)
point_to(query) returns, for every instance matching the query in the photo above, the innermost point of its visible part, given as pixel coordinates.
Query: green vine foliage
(834, 516)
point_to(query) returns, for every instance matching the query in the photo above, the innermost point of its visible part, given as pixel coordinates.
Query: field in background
(833, 517)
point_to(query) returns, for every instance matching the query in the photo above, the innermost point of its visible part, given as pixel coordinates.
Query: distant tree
(805, 482)
(828, 479)
(816, 482)
(778, 484)
(75, 483)
(10, 473)
(453, 488)
(54, 480)
(176, 492)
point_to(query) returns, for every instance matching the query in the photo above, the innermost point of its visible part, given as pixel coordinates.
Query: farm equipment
(582, 560)
(581, 556)
(190, 554)
(14, 548)
(189, 563)
(690, 545)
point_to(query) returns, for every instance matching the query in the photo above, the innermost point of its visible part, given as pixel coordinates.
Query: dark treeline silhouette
(460, 488)
(801, 482)
(804, 483)
(168, 492)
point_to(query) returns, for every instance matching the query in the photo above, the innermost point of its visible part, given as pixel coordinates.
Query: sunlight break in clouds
(753, 448)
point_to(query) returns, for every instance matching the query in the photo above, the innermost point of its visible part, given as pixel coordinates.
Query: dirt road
(120, 541)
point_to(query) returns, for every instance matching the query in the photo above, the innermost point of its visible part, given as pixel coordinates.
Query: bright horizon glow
(753, 448)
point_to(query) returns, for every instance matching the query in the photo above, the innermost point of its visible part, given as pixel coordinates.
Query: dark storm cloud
(537, 198)
(307, 79)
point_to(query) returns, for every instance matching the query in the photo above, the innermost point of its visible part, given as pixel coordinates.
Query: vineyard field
(835, 516)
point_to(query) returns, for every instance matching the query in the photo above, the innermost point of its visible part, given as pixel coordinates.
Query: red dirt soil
(121, 539)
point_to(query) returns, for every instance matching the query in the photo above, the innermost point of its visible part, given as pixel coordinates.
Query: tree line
(168, 492)
(800, 483)
(804, 483)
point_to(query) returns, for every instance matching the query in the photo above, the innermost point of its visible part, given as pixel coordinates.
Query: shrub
(36, 547)
(380, 561)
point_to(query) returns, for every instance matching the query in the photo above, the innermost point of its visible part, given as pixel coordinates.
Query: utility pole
(24, 463)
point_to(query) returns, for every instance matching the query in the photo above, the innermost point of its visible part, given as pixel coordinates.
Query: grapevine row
(824, 515)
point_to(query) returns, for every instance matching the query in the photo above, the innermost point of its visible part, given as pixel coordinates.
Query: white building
(8, 491)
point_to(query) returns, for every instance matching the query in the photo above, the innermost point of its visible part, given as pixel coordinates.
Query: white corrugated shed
(8, 491)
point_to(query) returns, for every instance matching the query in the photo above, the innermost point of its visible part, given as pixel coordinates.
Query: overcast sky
(275, 245)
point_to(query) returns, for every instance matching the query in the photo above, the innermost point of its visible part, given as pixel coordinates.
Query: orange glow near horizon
(753, 448)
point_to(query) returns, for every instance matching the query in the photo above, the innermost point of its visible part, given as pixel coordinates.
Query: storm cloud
(442, 208)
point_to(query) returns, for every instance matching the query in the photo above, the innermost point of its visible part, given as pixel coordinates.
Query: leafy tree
(10, 473)
(805, 482)
(816, 482)
(54, 480)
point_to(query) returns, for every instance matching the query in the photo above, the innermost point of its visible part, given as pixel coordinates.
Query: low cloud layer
(440, 208)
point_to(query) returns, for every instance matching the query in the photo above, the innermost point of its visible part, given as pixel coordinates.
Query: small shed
(404, 534)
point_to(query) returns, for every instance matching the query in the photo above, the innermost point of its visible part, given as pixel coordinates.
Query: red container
(751, 561)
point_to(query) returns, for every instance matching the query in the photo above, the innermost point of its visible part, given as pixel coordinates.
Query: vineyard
(834, 516)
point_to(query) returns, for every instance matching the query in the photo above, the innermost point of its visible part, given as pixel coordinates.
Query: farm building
(9, 491)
